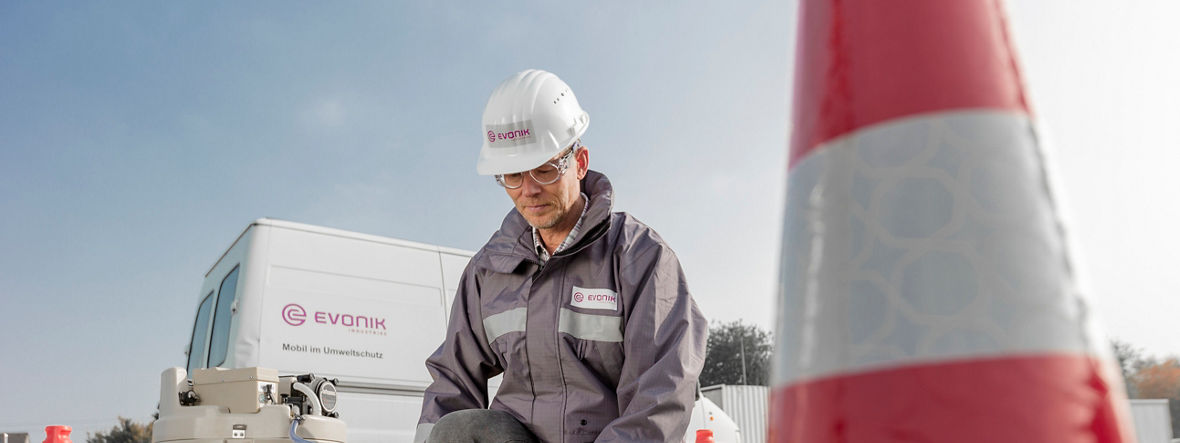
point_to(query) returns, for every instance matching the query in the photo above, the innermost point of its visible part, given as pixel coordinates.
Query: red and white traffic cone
(926, 292)
(57, 434)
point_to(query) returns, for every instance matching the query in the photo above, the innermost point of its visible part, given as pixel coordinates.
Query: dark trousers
(480, 426)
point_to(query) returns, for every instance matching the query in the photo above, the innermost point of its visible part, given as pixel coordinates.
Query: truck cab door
(211, 330)
(199, 342)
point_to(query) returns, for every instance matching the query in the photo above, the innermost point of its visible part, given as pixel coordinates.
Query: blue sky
(138, 139)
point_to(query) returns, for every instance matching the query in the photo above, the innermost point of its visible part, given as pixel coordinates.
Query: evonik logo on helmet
(296, 315)
(510, 134)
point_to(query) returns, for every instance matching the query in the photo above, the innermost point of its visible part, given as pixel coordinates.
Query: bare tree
(1130, 360)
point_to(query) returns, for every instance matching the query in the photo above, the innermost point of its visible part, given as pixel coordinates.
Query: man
(585, 312)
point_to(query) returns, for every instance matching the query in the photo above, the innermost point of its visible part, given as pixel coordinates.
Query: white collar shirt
(543, 253)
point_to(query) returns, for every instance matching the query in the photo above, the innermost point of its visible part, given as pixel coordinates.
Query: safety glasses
(545, 174)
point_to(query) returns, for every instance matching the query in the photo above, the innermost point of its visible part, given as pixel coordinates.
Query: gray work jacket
(602, 343)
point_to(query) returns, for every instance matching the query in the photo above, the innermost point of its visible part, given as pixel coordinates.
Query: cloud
(325, 113)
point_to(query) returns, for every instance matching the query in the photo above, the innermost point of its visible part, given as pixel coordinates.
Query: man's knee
(480, 426)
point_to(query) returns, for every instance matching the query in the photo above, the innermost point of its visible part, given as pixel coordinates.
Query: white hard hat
(529, 118)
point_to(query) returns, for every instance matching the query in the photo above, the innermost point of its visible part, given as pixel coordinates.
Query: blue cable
(294, 425)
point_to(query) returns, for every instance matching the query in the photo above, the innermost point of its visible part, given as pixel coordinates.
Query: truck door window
(196, 348)
(219, 341)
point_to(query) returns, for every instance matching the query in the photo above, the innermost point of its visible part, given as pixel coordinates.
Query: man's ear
(583, 159)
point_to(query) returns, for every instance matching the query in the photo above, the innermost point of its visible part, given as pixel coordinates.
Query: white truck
(363, 309)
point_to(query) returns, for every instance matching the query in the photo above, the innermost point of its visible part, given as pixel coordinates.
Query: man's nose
(529, 185)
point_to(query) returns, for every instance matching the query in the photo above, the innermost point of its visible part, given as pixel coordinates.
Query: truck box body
(365, 309)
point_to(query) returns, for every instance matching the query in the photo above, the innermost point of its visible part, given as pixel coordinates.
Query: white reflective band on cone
(948, 249)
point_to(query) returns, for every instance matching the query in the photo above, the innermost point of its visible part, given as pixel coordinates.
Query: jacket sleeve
(464, 362)
(664, 350)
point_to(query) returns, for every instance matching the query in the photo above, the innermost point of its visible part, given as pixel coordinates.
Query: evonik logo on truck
(296, 315)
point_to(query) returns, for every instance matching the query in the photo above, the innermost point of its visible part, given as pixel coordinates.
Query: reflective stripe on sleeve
(504, 322)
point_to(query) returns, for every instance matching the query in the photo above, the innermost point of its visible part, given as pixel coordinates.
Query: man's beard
(555, 219)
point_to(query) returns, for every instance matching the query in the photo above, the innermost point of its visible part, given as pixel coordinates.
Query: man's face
(550, 206)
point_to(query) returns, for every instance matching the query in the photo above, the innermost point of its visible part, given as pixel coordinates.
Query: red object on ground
(57, 434)
(704, 436)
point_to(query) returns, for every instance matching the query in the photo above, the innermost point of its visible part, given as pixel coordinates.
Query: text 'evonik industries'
(360, 321)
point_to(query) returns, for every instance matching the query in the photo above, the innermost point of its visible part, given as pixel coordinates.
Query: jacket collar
(513, 243)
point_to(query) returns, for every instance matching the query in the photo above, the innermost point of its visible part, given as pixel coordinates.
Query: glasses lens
(511, 180)
(546, 174)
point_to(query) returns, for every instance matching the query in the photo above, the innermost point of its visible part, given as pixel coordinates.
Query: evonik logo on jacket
(588, 298)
